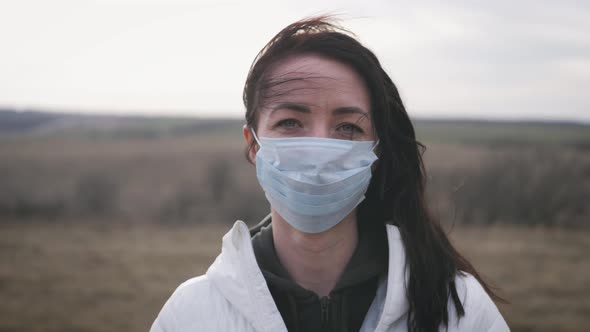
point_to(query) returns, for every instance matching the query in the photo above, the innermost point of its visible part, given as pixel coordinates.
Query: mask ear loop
(255, 137)
(375, 145)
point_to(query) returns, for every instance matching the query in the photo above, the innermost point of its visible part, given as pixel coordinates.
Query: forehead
(316, 78)
(313, 64)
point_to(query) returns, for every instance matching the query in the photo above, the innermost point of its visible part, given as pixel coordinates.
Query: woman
(351, 246)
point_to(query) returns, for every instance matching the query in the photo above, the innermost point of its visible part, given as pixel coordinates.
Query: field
(88, 277)
(100, 219)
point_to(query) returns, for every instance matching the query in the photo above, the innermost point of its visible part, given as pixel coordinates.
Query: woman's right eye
(288, 123)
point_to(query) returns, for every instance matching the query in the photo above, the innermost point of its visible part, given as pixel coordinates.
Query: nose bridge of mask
(260, 144)
(315, 154)
(313, 160)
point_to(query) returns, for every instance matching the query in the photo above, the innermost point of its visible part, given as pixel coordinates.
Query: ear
(250, 143)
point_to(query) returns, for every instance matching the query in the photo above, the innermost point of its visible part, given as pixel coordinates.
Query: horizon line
(229, 115)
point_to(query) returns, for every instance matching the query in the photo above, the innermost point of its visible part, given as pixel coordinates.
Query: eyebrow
(301, 108)
(291, 107)
(350, 110)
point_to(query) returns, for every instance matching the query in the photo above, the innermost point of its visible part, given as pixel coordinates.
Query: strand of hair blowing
(396, 193)
(398, 197)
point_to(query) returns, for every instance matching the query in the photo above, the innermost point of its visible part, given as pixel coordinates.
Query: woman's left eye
(349, 127)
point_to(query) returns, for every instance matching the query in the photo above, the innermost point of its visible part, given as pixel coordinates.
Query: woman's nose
(320, 131)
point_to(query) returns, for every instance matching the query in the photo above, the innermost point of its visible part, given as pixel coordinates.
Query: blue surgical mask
(312, 182)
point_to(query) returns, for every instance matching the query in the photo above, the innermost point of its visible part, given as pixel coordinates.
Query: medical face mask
(312, 182)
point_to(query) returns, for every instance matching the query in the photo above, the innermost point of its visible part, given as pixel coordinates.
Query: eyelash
(282, 123)
(354, 127)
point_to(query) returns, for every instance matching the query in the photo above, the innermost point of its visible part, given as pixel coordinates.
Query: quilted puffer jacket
(233, 296)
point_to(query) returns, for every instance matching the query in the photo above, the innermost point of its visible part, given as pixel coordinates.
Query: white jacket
(233, 296)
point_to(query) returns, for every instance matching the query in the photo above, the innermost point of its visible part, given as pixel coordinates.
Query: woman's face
(317, 97)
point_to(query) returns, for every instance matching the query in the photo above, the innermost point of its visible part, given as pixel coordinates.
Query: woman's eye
(350, 128)
(288, 123)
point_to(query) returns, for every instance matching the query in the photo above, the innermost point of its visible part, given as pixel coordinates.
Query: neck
(315, 261)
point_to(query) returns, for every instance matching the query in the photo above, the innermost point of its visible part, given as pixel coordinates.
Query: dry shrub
(97, 194)
(544, 186)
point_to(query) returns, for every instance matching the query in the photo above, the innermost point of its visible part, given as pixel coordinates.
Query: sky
(471, 59)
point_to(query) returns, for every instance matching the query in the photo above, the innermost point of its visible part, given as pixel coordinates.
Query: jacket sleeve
(499, 325)
(166, 321)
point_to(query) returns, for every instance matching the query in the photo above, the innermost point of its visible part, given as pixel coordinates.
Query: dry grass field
(93, 278)
(87, 277)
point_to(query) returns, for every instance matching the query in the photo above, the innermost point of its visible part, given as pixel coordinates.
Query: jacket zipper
(325, 305)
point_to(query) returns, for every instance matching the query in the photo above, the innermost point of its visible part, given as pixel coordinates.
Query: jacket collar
(236, 275)
(396, 303)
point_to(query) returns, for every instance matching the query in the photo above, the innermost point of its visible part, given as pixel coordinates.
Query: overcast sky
(476, 59)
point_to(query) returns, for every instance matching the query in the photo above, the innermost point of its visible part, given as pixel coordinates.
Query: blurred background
(122, 162)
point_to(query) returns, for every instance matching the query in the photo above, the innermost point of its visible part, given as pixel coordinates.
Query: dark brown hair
(396, 193)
